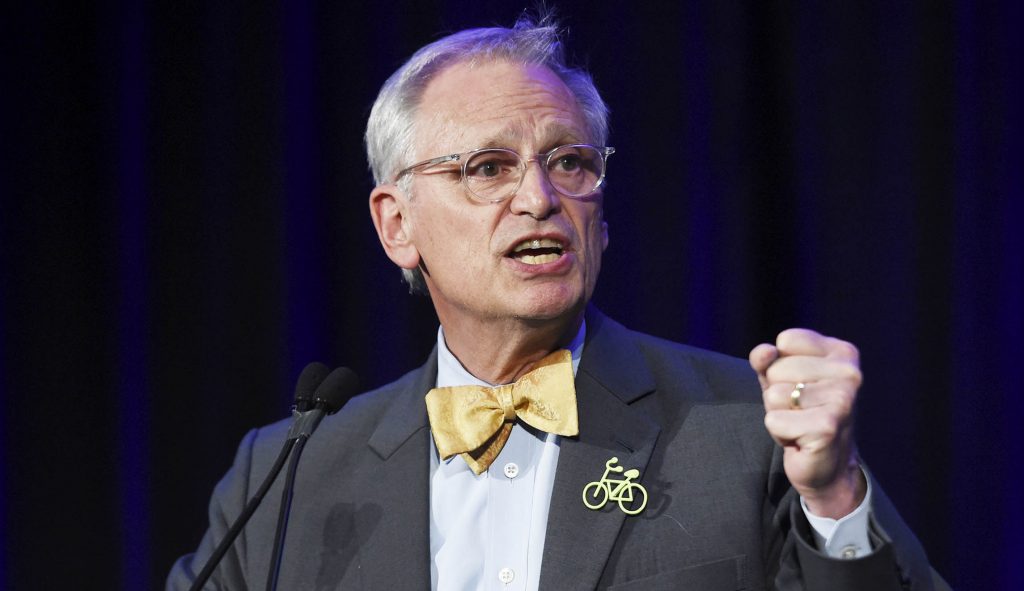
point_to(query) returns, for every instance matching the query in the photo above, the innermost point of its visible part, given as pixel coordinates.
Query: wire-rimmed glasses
(493, 175)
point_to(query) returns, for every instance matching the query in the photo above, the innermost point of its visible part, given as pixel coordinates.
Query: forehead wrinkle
(514, 134)
(451, 136)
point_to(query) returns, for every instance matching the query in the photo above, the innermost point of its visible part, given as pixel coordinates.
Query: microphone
(337, 388)
(312, 376)
(310, 379)
(310, 408)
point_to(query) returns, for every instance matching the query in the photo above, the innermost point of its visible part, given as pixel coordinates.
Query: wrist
(840, 497)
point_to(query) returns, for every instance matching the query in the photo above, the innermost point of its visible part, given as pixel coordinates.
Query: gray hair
(390, 129)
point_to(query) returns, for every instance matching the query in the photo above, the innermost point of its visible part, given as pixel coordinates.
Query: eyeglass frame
(464, 157)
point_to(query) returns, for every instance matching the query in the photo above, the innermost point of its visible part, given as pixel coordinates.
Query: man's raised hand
(816, 429)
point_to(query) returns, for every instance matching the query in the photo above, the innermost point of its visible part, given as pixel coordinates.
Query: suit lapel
(612, 374)
(401, 558)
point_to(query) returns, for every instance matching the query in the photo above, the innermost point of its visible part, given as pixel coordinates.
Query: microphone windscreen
(340, 385)
(309, 380)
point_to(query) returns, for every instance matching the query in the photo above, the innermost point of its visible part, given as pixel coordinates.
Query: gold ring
(794, 396)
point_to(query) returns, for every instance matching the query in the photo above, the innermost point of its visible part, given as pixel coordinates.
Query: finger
(800, 341)
(780, 397)
(761, 357)
(840, 349)
(803, 341)
(802, 368)
(838, 398)
(809, 430)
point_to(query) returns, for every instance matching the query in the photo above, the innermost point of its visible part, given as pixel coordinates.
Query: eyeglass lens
(495, 174)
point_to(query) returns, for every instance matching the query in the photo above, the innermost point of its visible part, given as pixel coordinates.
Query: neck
(500, 351)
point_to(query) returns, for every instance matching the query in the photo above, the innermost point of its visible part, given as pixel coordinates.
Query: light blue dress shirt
(487, 531)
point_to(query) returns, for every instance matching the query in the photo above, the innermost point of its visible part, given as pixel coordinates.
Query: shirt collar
(450, 371)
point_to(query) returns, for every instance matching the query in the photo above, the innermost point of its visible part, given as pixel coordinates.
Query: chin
(552, 304)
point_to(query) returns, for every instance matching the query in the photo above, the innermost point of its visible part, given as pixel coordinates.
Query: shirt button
(849, 552)
(506, 575)
(511, 471)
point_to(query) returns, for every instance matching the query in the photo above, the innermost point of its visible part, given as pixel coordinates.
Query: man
(617, 460)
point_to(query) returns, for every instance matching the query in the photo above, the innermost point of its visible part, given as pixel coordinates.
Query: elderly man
(608, 459)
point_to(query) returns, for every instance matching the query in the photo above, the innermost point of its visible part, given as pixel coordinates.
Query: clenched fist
(815, 425)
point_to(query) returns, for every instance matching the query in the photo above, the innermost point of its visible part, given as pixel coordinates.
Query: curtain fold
(184, 225)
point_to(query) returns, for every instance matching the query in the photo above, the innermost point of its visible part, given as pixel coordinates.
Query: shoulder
(725, 375)
(670, 365)
(360, 417)
(375, 403)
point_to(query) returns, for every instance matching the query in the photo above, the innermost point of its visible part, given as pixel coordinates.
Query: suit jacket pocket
(719, 575)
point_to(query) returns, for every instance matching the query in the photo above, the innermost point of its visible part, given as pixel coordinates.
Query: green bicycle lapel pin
(631, 496)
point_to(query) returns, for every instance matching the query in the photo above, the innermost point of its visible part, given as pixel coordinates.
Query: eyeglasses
(493, 175)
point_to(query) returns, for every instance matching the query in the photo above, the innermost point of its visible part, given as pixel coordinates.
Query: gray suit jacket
(720, 514)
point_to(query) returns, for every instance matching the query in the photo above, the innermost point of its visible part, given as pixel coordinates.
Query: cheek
(456, 236)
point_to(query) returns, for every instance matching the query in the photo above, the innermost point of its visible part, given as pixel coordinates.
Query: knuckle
(844, 403)
(788, 337)
(851, 373)
(846, 349)
(829, 428)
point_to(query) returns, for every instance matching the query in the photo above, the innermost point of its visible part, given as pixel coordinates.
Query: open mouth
(537, 251)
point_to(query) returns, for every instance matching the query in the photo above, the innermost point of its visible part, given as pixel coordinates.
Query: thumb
(761, 358)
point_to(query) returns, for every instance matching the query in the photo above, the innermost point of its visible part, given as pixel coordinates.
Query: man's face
(469, 248)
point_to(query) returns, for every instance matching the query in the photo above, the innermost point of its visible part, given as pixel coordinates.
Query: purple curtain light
(184, 225)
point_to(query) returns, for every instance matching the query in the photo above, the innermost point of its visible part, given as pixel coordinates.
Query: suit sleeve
(897, 563)
(226, 503)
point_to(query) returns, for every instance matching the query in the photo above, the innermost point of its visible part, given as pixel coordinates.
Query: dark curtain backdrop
(184, 226)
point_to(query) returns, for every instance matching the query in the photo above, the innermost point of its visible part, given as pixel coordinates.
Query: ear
(389, 210)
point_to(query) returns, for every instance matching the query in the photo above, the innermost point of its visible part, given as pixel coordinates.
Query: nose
(536, 196)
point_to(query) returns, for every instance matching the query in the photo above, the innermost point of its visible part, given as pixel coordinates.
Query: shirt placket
(509, 509)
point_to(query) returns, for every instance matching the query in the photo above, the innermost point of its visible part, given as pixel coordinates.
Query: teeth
(539, 259)
(535, 244)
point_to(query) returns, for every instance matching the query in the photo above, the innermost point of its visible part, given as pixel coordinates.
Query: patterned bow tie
(475, 421)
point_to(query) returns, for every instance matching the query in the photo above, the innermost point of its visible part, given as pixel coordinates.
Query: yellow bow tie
(475, 421)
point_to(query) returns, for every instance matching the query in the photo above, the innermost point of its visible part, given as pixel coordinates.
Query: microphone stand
(304, 425)
(313, 375)
(329, 396)
(236, 527)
